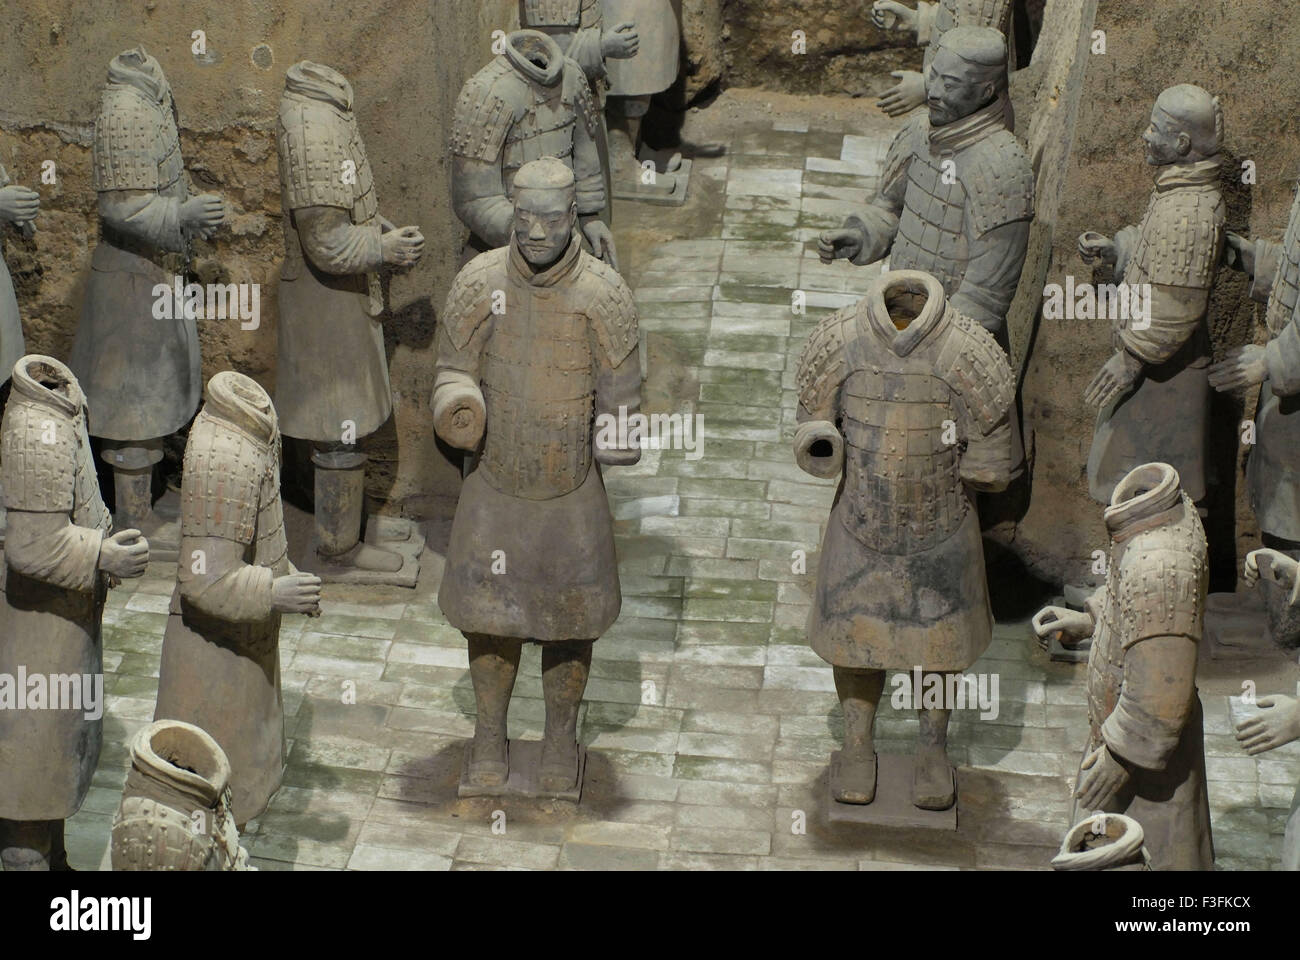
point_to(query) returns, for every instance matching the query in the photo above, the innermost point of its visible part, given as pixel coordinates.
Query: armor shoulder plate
(485, 112)
(901, 151)
(38, 458)
(612, 310)
(821, 364)
(1162, 589)
(579, 94)
(222, 481)
(150, 835)
(312, 142)
(973, 364)
(469, 302)
(999, 182)
(1182, 239)
(127, 151)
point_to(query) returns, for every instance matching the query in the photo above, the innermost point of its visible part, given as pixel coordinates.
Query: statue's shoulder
(488, 106)
(822, 363)
(999, 181)
(469, 302)
(972, 363)
(608, 302)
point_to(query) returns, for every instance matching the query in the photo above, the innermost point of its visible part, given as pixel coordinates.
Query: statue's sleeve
(49, 547)
(587, 48)
(1283, 356)
(465, 325)
(228, 588)
(973, 364)
(335, 245)
(145, 215)
(1126, 241)
(616, 346)
(877, 223)
(1175, 316)
(989, 284)
(822, 369)
(1155, 701)
(925, 16)
(481, 125)
(587, 168)
(1268, 257)
(479, 198)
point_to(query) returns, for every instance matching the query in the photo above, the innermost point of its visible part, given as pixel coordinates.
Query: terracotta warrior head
(546, 210)
(1186, 126)
(968, 69)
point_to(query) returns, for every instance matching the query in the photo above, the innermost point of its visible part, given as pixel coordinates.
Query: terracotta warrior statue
(1160, 361)
(1278, 721)
(1272, 474)
(957, 195)
(332, 385)
(19, 205)
(1145, 755)
(633, 81)
(907, 400)
(531, 556)
(221, 656)
(59, 563)
(930, 21)
(578, 26)
(530, 102)
(175, 809)
(140, 373)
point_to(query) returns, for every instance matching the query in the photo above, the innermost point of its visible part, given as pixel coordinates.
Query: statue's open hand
(296, 593)
(904, 96)
(124, 555)
(1271, 565)
(19, 204)
(1120, 372)
(1277, 724)
(891, 15)
(840, 245)
(402, 247)
(1100, 778)
(1072, 625)
(202, 215)
(622, 42)
(1094, 247)
(1244, 367)
(1239, 254)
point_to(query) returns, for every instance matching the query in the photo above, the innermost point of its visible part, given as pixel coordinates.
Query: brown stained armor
(528, 103)
(53, 590)
(563, 351)
(1142, 699)
(140, 373)
(175, 812)
(221, 659)
(1176, 251)
(923, 412)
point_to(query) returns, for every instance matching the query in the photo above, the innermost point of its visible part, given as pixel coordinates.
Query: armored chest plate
(932, 227)
(1286, 285)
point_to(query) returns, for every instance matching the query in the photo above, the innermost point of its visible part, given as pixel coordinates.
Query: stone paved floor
(709, 721)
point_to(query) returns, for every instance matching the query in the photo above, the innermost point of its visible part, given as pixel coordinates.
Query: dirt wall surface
(1092, 176)
(406, 59)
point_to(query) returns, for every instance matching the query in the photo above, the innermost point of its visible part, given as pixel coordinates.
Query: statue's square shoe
(934, 789)
(668, 188)
(367, 564)
(853, 782)
(395, 533)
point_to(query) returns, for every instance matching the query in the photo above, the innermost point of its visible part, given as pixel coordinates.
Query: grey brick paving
(709, 722)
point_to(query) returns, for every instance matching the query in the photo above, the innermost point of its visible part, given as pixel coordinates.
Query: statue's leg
(340, 495)
(25, 844)
(932, 779)
(493, 665)
(133, 462)
(1283, 618)
(859, 692)
(58, 851)
(565, 667)
(626, 115)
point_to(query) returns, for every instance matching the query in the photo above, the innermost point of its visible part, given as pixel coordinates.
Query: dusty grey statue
(651, 68)
(140, 373)
(531, 556)
(175, 812)
(332, 385)
(1108, 841)
(1272, 474)
(19, 205)
(930, 21)
(60, 562)
(1145, 756)
(530, 102)
(1278, 721)
(582, 32)
(1161, 360)
(908, 401)
(221, 656)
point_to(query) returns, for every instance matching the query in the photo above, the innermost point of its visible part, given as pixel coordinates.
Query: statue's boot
(175, 811)
(932, 779)
(558, 770)
(856, 781)
(489, 762)
(340, 495)
(27, 845)
(395, 533)
(624, 143)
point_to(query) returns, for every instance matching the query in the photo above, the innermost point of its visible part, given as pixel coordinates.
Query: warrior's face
(1167, 142)
(955, 88)
(544, 223)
